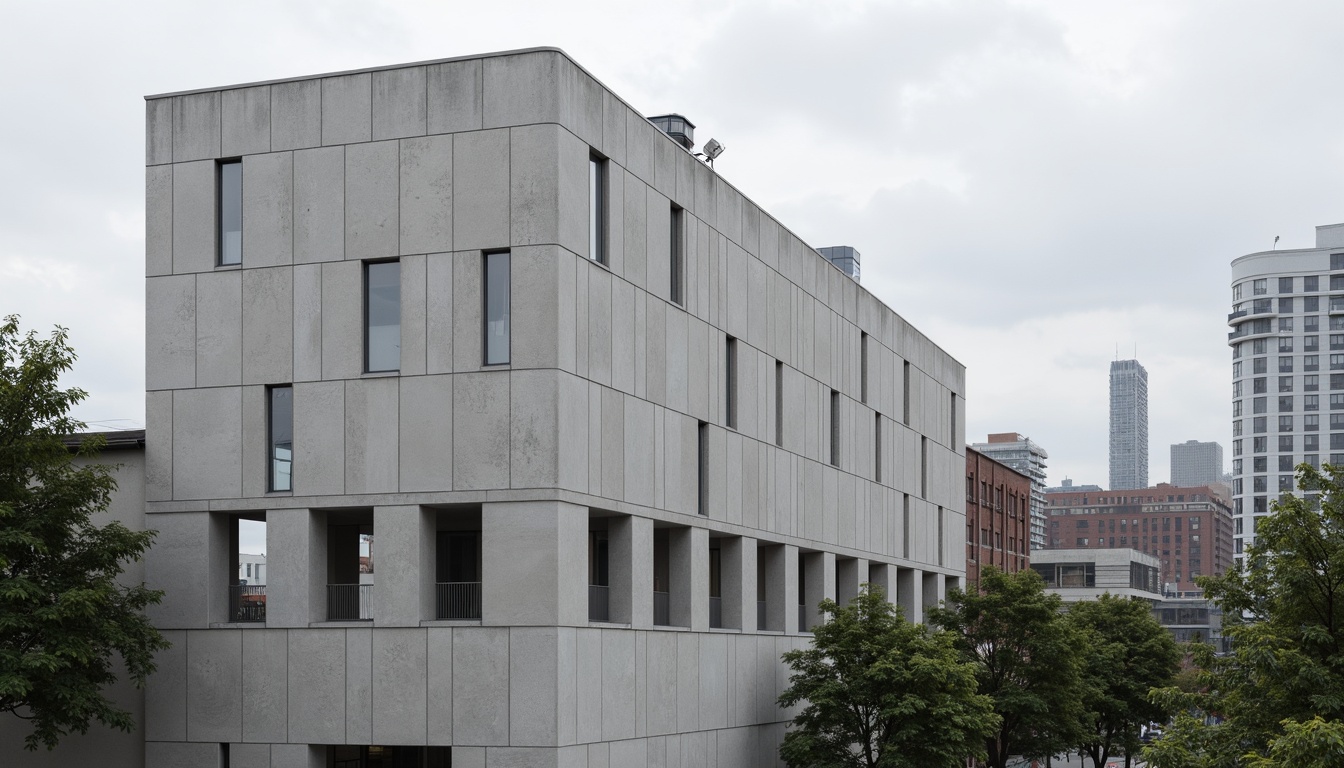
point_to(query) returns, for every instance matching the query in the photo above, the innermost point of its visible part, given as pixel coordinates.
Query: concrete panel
(319, 205)
(481, 190)
(401, 589)
(342, 320)
(159, 220)
(467, 308)
(265, 694)
(196, 127)
(743, 679)
(714, 681)
(632, 753)
(399, 103)
(481, 430)
(688, 681)
(371, 439)
(613, 127)
(481, 685)
(535, 313)
(307, 316)
(534, 421)
(533, 691)
(172, 754)
(207, 468)
(159, 446)
(346, 109)
(298, 756)
(660, 689)
(439, 685)
(613, 444)
(439, 306)
(639, 441)
(533, 570)
(567, 694)
(522, 89)
(618, 684)
(599, 324)
(319, 430)
(399, 686)
(215, 686)
(317, 677)
(426, 448)
(268, 319)
(166, 691)
(219, 329)
(254, 443)
(427, 194)
(454, 96)
(250, 756)
(158, 131)
(534, 184)
(245, 121)
(359, 680)
(573, 156)
(623, 336)
(268, 197)
(588, 676)
(170, 330)
(372, 222)
(194, 217)
(296, 115)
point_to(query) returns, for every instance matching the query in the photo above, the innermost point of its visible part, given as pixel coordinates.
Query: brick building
(1189, 530)
(997, 516)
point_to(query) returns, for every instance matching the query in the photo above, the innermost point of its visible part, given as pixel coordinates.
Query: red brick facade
(1188, 529)
(998, 502)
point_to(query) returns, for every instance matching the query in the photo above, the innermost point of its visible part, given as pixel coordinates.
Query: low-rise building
(1086, 574)
(998, 512)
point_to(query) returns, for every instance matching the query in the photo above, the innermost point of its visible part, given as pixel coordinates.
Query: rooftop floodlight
(713, 149)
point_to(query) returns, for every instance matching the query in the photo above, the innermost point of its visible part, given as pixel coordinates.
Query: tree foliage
(1024, 651)
(1280, 693)
(63, 614)
(877, 690)
(1125, 653)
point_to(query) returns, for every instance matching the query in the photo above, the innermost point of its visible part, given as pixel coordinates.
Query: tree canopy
(878, 690)
(1278, 698)
(1025, 654)
(66, 622)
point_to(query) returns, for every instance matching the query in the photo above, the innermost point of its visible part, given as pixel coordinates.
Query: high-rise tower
(1129, 425)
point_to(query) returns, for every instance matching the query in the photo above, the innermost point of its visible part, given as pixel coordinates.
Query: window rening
(230, 213)
(677, 258)
(497, 311)
(280, 426)
(382, 316)
(597, 209)
(730, 382)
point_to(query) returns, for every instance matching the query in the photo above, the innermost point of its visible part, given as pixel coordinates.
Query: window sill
(280, 494)
(379, 374)
(609, 624)
(237, 625)
(450, 622)
(227, 267)
(335, 624)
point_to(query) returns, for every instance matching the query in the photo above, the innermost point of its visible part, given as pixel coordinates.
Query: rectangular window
(924, 467)
(1286, 404)
(1311, 283)
(952, 440)
(497, 295)
(1286, 306)
(382, 316)
(877, 447)
(1285, 285)
(677, 257)
(1311, 383)
(231, 212)
(702, 469)
(730, 382)
(1311, 304)
(835, 428)
(905, 390)
(779, 403)
(905, 527)
(1311, 423)
(280, 425)
(1285, 364)
(1285, 383)
(597, 209)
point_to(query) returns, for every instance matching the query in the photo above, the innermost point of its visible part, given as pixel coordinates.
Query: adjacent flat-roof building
(998, 512)
(1129, 425)
(1188, 530)
(611, 429)
(1287, 343)
(1020, 453)
(1194, 463)
(1086, 574)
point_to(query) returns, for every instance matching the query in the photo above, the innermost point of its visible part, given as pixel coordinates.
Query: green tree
(877, 690)
(1280, 692)
(1125, 653)
(65, 621)
(1026, 656)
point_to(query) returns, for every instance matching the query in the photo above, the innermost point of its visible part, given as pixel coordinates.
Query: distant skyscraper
(1129, 425)
(1021, 454)
(1194, 463)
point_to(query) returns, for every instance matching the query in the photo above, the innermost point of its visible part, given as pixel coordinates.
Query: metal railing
(761, 613)
(599, 602)
(247, 602)
(716, 612)
(662, 609)
(457, 600)
(349, 602)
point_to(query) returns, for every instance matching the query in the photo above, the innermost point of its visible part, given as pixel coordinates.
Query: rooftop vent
(678, 127)
(844, 257)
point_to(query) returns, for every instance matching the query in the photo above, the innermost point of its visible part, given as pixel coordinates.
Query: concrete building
(1283, 311)
(998, 511)
(611, 429)
(1193, 620)
(1129, 425)
(1020, 453)
(1086, 574)
(1066, 486)
(1194, 463)
(1189, 530)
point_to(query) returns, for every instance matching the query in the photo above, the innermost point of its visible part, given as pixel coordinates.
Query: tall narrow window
(382, 314)
(905, 527)
(597, 209)
(702, 469)
(231, 212)
(952, 440)
(877, 447)
(941, 542)
(280, 425)
(924, 467)
(905, 392)
(730, 382)
(863, 368)
(677, 258)
(497, 308)
(835, 428)
(779, 403)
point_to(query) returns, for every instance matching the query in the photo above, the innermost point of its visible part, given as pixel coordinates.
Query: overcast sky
(1036, 185)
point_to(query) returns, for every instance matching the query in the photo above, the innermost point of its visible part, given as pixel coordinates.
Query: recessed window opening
(677, 257)
(497, 310)
(230, 212)
(382, 315)
(863, 368)
(905, 391)
(597, 209)
(779, 403)
(835, 428)
(280, 424)
(730, 382)
(702, 469)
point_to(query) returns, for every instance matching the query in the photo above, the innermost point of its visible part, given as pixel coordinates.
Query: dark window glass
(497, 308)
(231, 212)
(702, 469)
(779, 403)
(281, 427)
(730, 382)
(678, 258)
(835, 428)
(382, 311)
(597, 209)
(1310, 284)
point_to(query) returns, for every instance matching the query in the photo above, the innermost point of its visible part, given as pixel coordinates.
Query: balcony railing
(349, 602)
(247, 602)
(662, 609)
(599, 602)
(716, 612)
(760, 614)
(457, 600)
